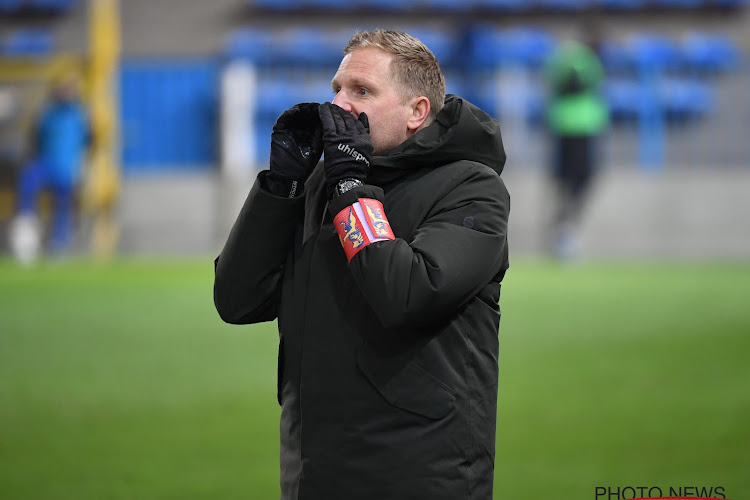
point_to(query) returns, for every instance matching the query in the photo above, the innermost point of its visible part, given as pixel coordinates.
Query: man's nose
(341, 101)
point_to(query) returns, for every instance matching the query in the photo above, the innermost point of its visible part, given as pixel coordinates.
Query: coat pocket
(407, 386)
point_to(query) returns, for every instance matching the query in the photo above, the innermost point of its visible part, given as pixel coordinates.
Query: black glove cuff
(280, 185)
(338, 203)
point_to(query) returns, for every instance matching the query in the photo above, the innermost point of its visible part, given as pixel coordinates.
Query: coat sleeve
(457, 250)
(248, 272)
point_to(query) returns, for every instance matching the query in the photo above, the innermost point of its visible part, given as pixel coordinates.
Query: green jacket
(575, 106)
(388, 365)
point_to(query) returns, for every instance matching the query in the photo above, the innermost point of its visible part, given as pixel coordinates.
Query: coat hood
(461, 131)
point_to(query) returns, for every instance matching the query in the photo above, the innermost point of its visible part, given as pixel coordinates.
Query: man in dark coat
(383, 266)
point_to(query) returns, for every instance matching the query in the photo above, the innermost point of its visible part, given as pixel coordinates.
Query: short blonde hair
(414, 68)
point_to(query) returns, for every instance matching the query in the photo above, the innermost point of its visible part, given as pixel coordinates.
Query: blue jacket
(62, 138)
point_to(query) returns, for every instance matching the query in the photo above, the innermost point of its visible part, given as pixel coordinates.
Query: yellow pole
(103, 183)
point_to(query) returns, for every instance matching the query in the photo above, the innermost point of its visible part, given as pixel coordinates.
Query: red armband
(360, 224)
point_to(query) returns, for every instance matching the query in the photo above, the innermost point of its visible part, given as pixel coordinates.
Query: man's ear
(420, 110)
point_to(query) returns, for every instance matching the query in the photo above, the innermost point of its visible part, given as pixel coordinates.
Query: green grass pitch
(119, 381)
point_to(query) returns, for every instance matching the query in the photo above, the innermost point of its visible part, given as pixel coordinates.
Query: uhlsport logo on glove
(353, 153)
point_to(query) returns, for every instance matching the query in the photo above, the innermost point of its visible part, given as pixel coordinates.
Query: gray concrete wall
(699, 213)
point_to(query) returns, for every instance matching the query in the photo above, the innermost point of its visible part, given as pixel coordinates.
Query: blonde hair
(414, 68)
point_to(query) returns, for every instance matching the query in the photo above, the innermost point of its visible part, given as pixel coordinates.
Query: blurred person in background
(383, 266)
(576, 116)
(61, 138)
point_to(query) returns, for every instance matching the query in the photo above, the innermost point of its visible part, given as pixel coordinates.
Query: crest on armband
(351, 232)
(380, 225)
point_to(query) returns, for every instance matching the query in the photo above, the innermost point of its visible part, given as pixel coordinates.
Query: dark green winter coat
(388, 365)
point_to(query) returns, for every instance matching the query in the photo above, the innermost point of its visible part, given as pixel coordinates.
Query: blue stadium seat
(565, 4)
(509, 5)
(652, 51)
(484, 93)
(311, 46)
(455, 84)
(447, 5)
(274, 4)
(486, 48)
(533, 46)
(53, 5)
(710, 52)
(626, 98)
(254, 44)
(674, 98)
(528, 47)
(279, 92)
(29, 43)
(11, 5)
(294, 46)
(330, 4)
(387, 5)
(622, 4)
(680, 4)
(274, 96)
(685, 99)
(615, 56)
(642, 52)
(526, 101)
(441, 42)
(731, 3)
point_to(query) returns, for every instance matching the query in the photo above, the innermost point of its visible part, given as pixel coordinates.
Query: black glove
(346, 143)
(296, 146)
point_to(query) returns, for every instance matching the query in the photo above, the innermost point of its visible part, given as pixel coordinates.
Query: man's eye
(362, 91)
